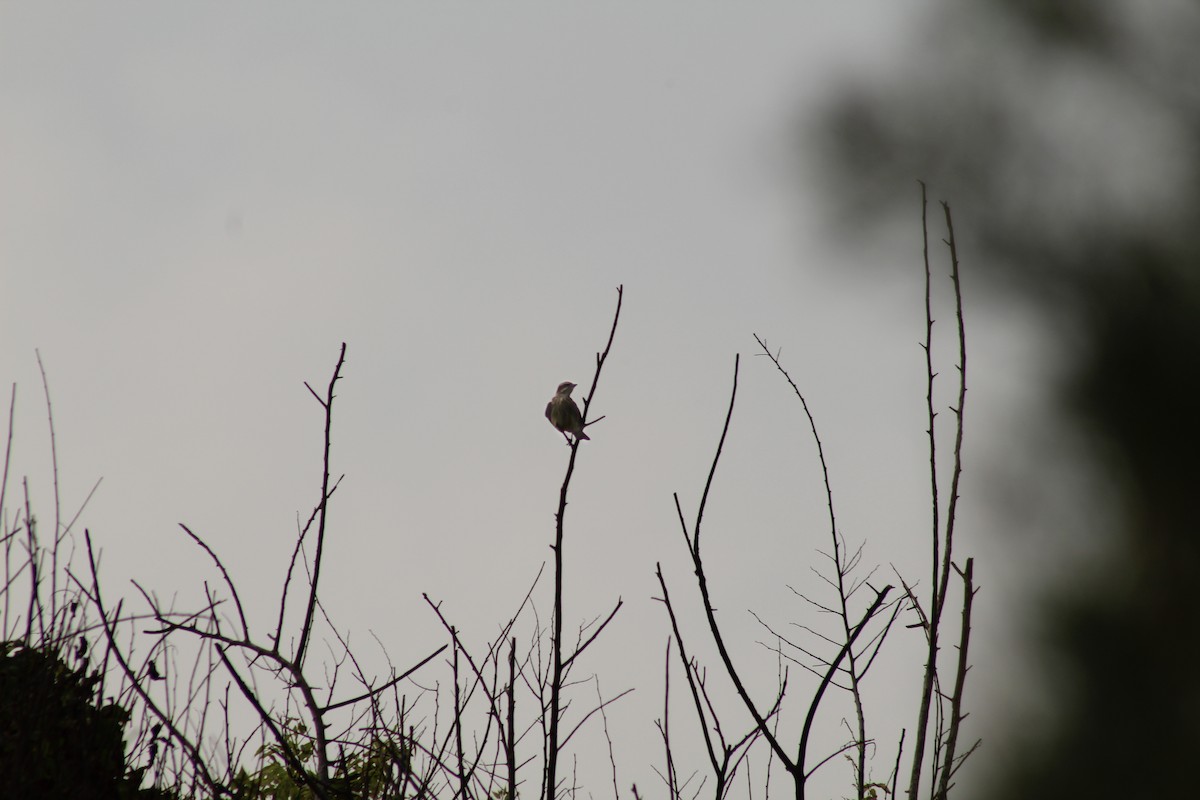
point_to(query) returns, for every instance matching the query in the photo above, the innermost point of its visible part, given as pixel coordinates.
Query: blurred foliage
(56, 741)
(1067, 136)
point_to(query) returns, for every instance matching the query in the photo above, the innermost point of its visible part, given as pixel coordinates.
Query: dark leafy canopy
(55, 740)
(1067, 135)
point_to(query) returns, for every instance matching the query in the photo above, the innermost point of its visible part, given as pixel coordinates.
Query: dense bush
(57, 739)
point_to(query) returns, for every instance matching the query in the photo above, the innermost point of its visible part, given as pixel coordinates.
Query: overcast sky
(199, 204)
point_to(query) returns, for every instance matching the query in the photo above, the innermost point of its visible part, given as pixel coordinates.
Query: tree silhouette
(1070, 135)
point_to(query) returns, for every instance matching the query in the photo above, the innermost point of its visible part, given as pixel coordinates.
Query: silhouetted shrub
(56, 741)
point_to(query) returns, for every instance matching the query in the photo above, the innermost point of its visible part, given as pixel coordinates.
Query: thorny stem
(931, 630)
(960, 680)
(941, 561)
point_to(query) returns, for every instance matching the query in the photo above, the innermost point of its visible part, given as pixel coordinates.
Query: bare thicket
(325, 727)
(863, 615)
(465, 718)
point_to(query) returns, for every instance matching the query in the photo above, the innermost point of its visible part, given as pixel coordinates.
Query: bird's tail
(582, 435)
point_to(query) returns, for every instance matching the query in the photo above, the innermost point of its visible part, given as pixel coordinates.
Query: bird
(564, 414)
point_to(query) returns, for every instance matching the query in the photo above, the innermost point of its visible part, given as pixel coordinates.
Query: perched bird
(564, 414)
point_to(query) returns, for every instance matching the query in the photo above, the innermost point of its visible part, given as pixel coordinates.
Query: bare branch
(224, 574)
(306, 628)
(197, 759)
(960, 679)
(556, 681)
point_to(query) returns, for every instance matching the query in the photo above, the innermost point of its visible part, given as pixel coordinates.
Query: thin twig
(237, 601)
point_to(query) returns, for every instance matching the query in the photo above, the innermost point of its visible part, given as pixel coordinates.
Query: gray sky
(198, 205)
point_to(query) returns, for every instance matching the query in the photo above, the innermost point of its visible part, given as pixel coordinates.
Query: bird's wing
(548, 407)
(573, 413)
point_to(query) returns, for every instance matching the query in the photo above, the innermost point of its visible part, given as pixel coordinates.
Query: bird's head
(565, 388)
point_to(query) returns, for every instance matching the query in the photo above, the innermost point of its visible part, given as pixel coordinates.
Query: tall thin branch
(463, 778)
(556, 680)
(931, 629)
(960, 680)
(327, 403)
(943, 535)
(12, 410)
(7, 538)
(57, 536)
(702, 581)
(510, 743)
(951, 512)
(842, 569)
(53, 443)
